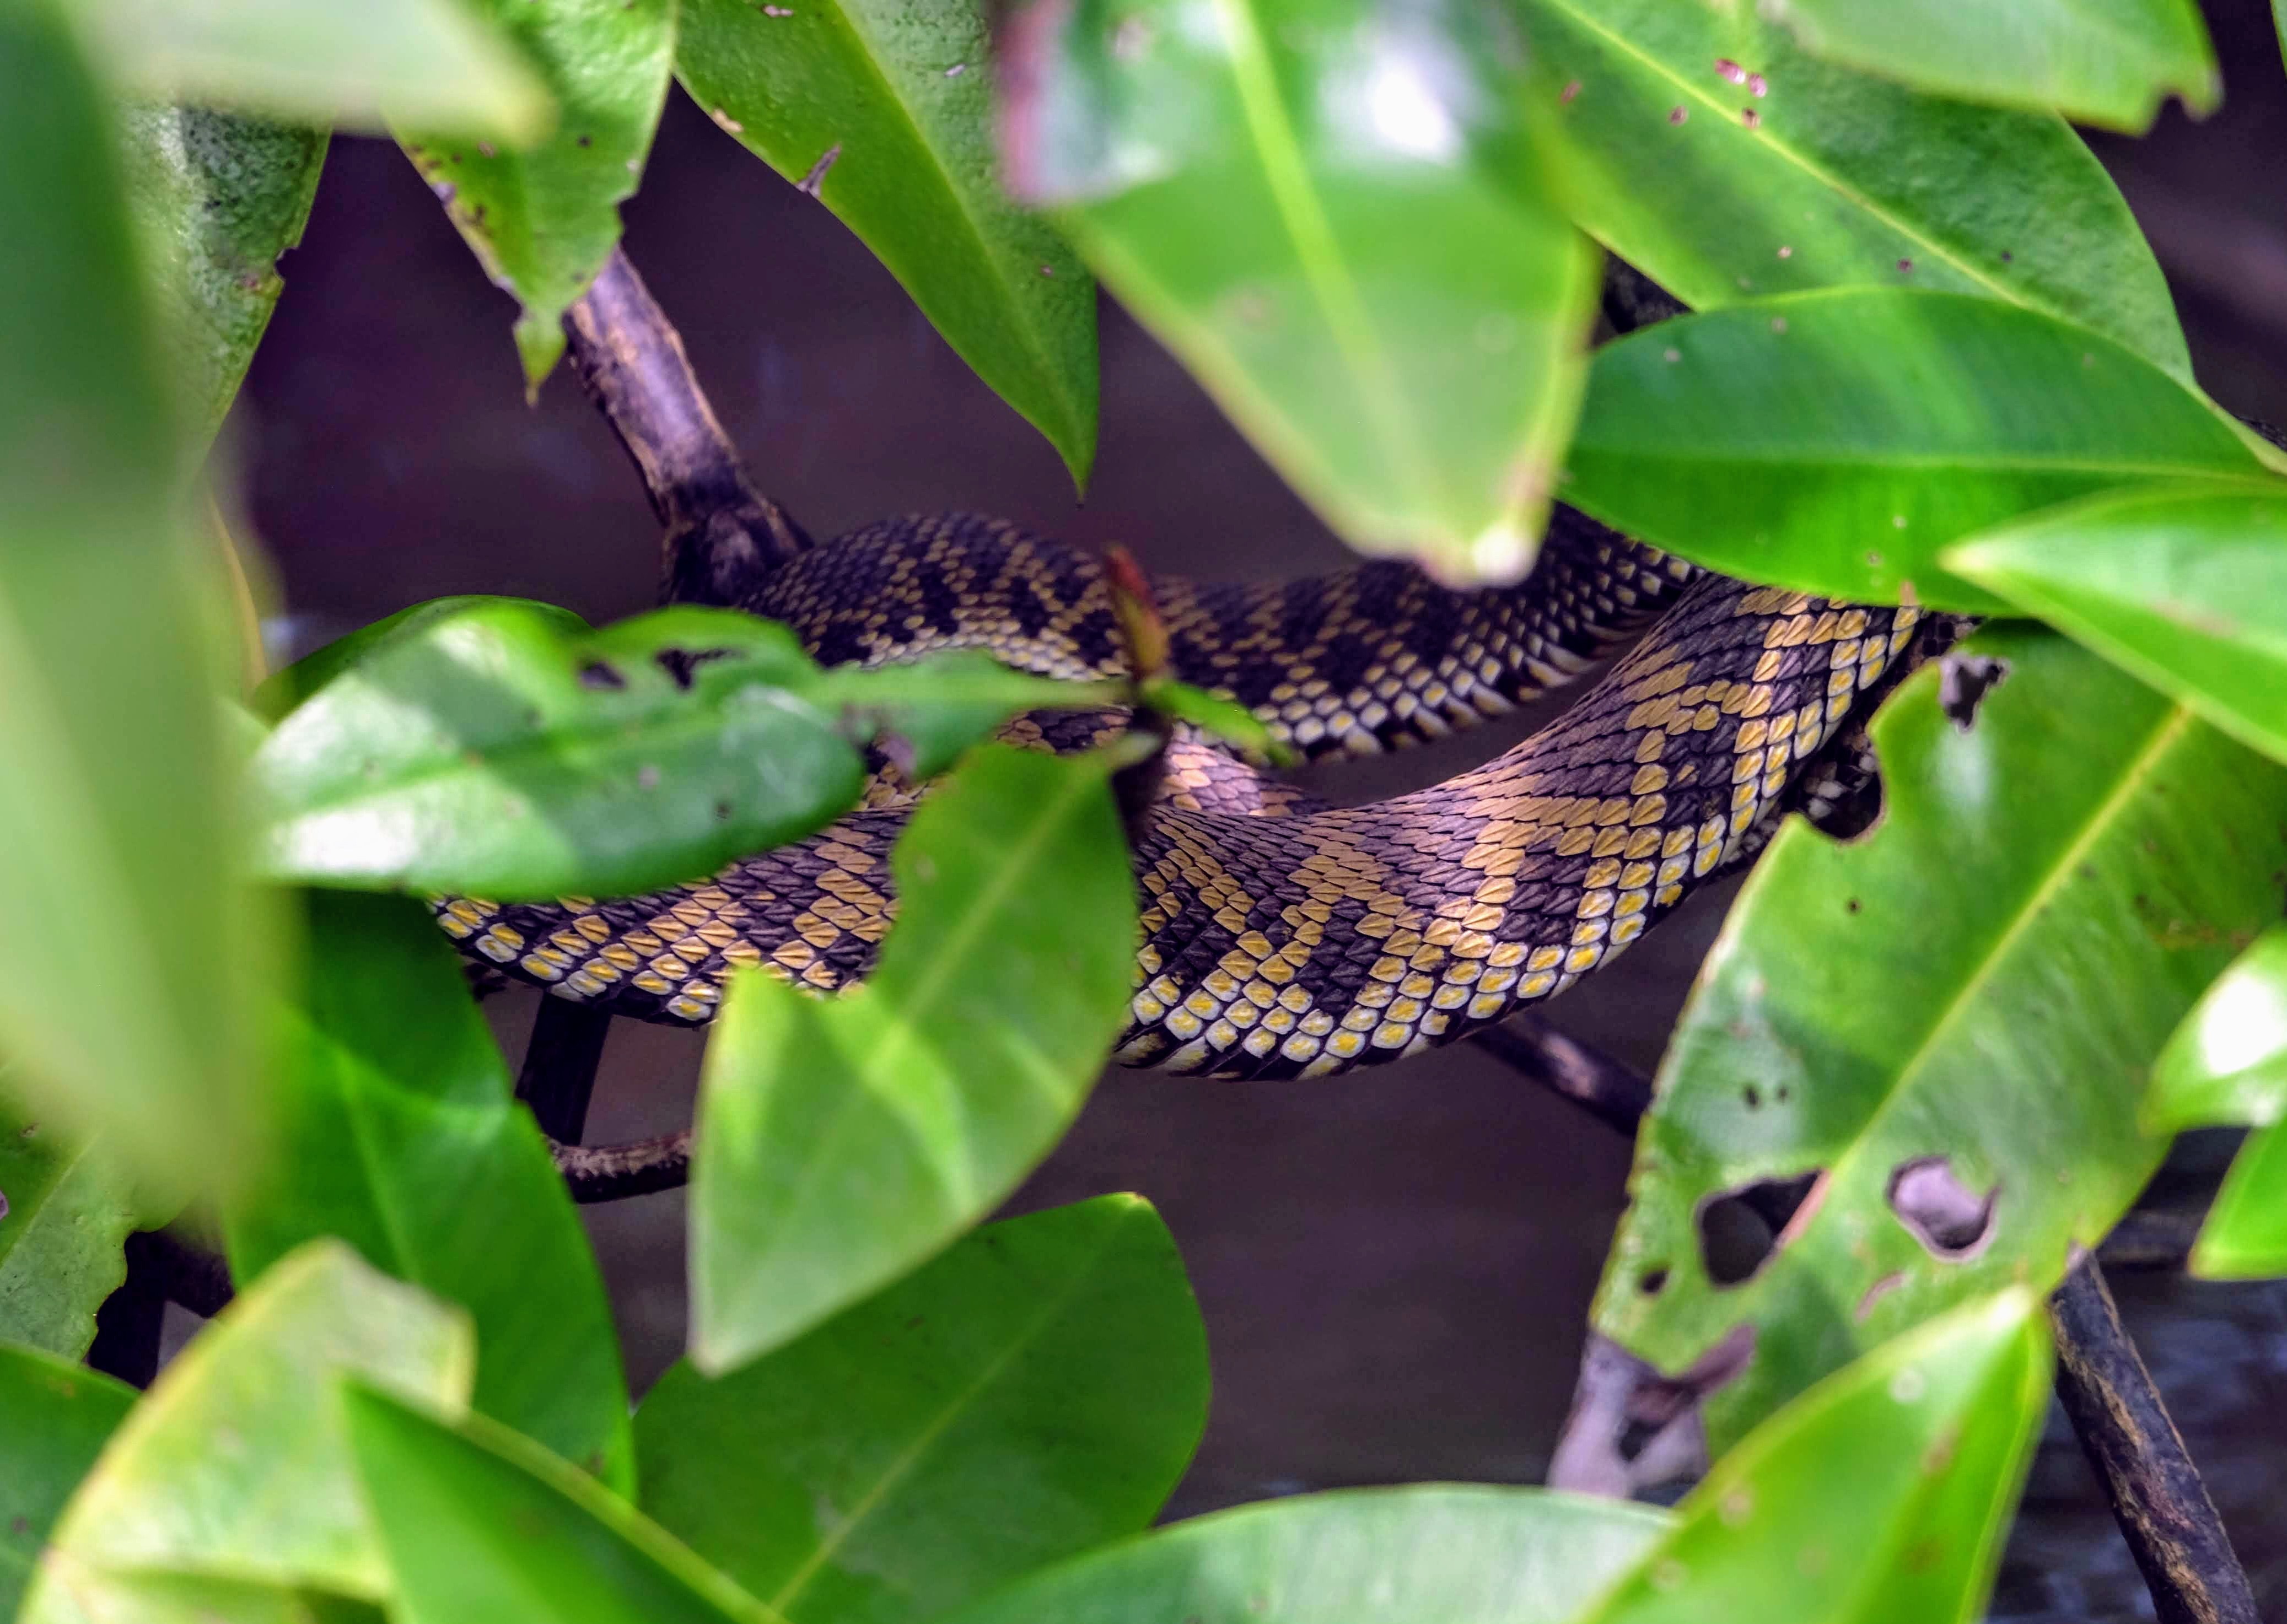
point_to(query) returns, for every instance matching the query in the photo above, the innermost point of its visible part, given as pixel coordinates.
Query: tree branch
(558, 1075)
(614, 1172)
(1615, 1094)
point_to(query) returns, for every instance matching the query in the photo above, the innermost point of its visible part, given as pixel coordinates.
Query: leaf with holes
(1835, 442)
(398, 1135)
(2110, 62)
(1035, 1391)
(1711, 150)
(1882, 1494)
(54, 1419)
(504, 750)
(2185, 586)
(1917, 1056)
(840, 1142)
(1335, 215)
(544, 216)
(2228, 1064)
(883, 112)
(67, 1207)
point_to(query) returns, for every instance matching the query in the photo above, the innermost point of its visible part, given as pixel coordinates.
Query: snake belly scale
(1283, 937)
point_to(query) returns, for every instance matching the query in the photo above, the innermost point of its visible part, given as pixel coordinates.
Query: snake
(1282, 936)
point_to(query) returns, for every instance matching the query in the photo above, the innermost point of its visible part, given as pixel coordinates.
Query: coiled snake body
(1283, 937)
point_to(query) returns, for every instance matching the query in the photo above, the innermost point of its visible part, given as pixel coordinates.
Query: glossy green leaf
(400, 1136)
(2227, 1063)
(2110, 62)
(544, 216)
(1335, 217)
(67, 1207)
(502, 749)
(54, 1418)
(841, 1141)
(883, 113)
(219, 197)
(2185, 586)
(1834, 442)
(134, 953)
(1958, 1007)
(480, 1526)
(1429, 1554)
(1883, 1493)
(235, 1468)
(1714, 153)
(282, 690)
(429, 62)
(1035, 1391)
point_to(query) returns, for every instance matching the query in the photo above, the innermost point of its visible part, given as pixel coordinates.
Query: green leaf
(503, 751)
(284, 689)
(400, 1137)
(1958, 1005)
(1882, 1494)
(1335, 217)
(426, 61)
(54, 1418)
(2185, 586)
(235, 1468)
(218, 198)
(1786, 173)
(927, 711)
(2108, 62)
(1834, 442)
(480, 1526)
(1036, 1391)
(1221, 719)
(543, 216)
(134, 953)
(67, 1207)
(2227, 1063)
(883, 112)
(1429, 1554)
(841, 1141)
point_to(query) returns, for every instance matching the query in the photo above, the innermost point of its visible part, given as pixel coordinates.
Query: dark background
(1395, 1268)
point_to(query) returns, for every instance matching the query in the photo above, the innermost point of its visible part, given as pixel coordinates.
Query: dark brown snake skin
(1282, 937)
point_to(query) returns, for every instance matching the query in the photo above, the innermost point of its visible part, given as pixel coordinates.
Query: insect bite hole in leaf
(602, 674)
(1740, 1228)
(1964, 681)
(1953, 1224)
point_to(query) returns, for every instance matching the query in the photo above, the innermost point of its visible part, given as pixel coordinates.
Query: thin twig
(614, 1172)
(1614, 1093)
(2162, 1506)
(558, 1075)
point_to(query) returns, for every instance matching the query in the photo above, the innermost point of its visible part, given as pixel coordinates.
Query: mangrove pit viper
(1283, 937)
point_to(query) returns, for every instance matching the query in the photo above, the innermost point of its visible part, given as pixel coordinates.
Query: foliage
(1933, 364)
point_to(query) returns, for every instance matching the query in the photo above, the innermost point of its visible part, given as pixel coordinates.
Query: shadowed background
(1395, 1268)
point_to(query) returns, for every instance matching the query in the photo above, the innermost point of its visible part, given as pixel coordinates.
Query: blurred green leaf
(841, 1141)
(503, 750)
(426, 61)
(67, 1207)
(219, 197)
(1785, 173)
(284, 689)
(882, 111)
(1934, 1037)
(480, 1526)
(2227, 1063)
(54, 1418)
(1221, 719)
(399, 1135)
(2186, 586)
(1834, 442)
(1036, 1391)
(235, 1468)
(1334, 216)
(134, 952)
(1883, 1493)
(2108, 62)
(544, 216)
(1428, 1554)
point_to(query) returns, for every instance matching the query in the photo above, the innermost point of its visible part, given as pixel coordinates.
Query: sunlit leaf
(2186, 586)
(1035, 1391)
(1835, 442)
(67, 1207)
(1931, 1041)
(841, 1141)
(1711, 150)
(1335, 217)
(54, 1418)
(883, 112)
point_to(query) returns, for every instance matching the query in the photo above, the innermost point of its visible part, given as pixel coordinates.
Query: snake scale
(1284, 937)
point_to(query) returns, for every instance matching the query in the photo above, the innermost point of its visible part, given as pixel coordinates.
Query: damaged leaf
(1982, 978)
(67, 1207)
